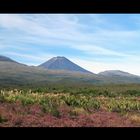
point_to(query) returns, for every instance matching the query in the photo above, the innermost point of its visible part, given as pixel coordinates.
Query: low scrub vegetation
(81, 101)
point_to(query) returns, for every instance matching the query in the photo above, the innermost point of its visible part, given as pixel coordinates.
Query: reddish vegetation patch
(16, 115)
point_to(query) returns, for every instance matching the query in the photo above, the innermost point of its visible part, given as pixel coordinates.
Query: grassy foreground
(94, 106)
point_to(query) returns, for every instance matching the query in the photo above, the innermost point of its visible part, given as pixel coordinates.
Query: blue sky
(97, 42)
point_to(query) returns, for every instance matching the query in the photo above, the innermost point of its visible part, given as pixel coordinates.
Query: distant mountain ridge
(7, 59)
(116, 73)
(62, 63)
(57, 70)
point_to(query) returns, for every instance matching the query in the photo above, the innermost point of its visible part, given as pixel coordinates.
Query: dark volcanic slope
(3, 58)
(62, 63)
(14, 74)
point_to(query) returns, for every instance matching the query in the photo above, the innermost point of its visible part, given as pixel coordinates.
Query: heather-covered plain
(73, 106)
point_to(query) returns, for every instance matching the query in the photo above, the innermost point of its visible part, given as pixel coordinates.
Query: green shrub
(2, 98)
(2, 119)
(123, 105)
(50, 106)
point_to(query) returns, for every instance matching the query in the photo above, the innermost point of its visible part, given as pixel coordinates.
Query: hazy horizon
(96, 42)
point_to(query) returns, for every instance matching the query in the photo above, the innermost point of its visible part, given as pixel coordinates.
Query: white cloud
(67, 30)
(92, 49)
